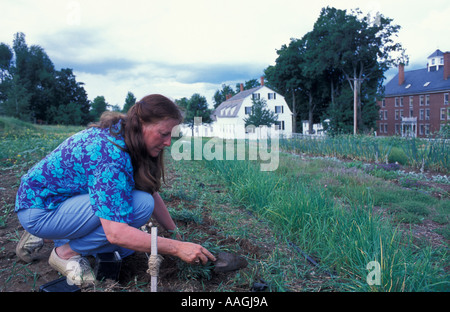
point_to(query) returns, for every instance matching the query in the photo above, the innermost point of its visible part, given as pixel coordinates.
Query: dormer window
(426, 84)
(408, 86)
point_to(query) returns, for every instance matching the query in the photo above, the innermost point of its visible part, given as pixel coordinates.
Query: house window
(279, 125)
(448, 113)
(442, 61)
(443, 113)
(383, 103)
(397, 129)
(279, 110)
(396, 102)
(411, 101)
(385, 128)
(271, 96)
(248, 110)
(421, 100)
(255, 96)
(421, 129)
(445, 98)
(411, 112)
(381, 128)
(381, 115)
(401, 101)
(396, 114)
(427, 129)
(427, 100)
(422, 114)
(385, 114)
(401, 114)
(427, 114)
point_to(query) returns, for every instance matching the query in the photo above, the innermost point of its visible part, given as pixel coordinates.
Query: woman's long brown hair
(148, 170)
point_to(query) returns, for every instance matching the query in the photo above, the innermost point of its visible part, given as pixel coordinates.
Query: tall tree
(29, 82)
(221, 96)
(249, 84)
(6, 56)
(291, 74)
(99, 105)
(359, 48)
(68, 93)
(196, 106)
(342, 51)
(17, 103)
(130, 100)
(285, 77)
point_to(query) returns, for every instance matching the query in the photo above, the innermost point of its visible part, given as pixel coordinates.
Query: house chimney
(262, 80)
(401, 74)
(446, 65)
(242, 87)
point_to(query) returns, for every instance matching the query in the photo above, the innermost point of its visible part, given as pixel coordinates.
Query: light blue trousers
(74, 222)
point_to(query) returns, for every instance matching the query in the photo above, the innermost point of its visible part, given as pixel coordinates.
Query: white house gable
(230, 114)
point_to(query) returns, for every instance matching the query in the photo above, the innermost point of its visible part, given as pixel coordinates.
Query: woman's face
(157, 135)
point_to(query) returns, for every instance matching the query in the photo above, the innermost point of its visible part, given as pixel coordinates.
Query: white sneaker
(77, 269)
(27, 246)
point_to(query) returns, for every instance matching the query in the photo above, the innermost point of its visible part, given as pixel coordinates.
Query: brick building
(416, 102)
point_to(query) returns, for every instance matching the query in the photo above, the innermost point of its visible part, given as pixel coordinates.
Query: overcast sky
(181, 47)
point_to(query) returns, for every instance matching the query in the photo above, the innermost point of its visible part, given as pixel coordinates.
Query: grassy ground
(315, 224)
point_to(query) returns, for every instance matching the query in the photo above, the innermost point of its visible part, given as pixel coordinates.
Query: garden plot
(275, 220)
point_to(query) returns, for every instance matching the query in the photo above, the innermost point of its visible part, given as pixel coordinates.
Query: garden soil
(17, 276)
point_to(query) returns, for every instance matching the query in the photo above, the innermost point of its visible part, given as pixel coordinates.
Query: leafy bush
(397, 156)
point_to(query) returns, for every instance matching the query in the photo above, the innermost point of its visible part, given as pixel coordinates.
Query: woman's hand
(194, 253)
(123, 235)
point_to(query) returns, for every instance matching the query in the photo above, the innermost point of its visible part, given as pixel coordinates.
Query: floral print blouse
(89, 162)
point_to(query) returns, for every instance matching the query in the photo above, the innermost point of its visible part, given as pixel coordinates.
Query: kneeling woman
(94, 191)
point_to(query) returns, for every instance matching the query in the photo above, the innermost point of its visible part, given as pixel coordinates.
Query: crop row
(417, 153)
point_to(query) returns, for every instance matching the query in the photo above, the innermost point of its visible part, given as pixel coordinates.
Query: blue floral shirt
(86, 163)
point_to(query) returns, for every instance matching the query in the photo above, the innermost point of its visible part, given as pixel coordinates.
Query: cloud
(179, 47)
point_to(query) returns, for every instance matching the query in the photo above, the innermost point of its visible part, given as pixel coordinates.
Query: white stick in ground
(154, 257)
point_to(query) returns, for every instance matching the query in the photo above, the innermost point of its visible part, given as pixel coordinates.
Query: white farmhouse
(229, 116)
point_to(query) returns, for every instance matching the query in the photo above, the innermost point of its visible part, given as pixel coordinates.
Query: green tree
(196, 106)
(18, 99)
(6, 56)
(344, 50)
(220, 96)
(357, 49)
(36, 73)
(99, 105)
(291, 75)
(68, 93)
(29, 82)
(130, 100)
(285, 77)
(249, 84)
(260, 115)
(67, 114)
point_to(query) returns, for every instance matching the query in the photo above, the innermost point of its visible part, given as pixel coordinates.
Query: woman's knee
(143, 205)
